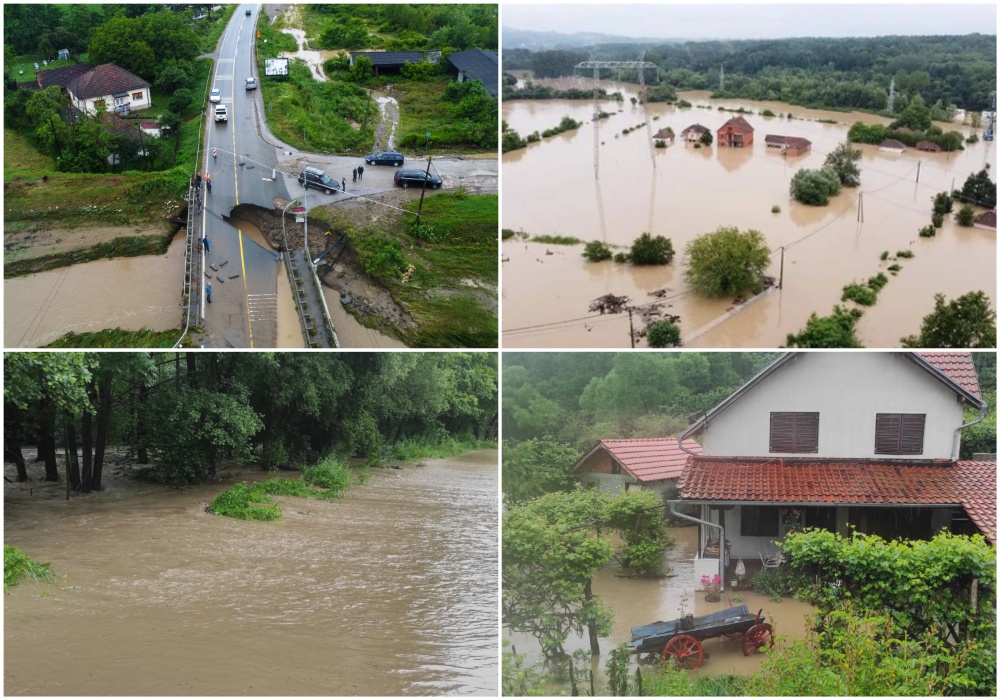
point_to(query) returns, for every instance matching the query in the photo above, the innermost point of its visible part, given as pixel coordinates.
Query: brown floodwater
(391, 590)
(645, 600)
(128, 293)
(550, 188)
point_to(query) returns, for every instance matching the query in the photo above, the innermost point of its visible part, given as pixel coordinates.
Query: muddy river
(547, 288)
(389, 591)
(642, 601)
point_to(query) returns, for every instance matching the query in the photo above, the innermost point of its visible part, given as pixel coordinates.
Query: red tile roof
(793, 141)
(106, 79)
(958, 367)
(988, 219)
(738, 124)
(649, 459)
(976, 486)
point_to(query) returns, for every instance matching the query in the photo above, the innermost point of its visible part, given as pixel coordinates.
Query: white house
(109, 87)
(835, 440)
(653, 464)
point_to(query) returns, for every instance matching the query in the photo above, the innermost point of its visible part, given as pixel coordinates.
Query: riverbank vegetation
(180, 418)
(17, 566)
(829, 73)
(118, 338)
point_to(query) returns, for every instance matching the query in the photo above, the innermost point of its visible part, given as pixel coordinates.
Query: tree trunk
(12, 442)
(103, 423)
(47, 445)
(73, 461)
(12, 453)
(595, 647)
(87, 436)
(192, 368)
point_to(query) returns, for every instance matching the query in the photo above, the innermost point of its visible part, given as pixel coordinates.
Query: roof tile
(958, 367)
(650, 459)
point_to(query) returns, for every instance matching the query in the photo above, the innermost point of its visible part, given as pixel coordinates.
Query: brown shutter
(911, 438)
(794, 432)
(899, 433)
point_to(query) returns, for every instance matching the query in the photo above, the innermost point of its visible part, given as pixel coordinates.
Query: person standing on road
(354, 175)
(204, 243)
(197, 179)
(361, 171)
(343, 184)
(208, 293)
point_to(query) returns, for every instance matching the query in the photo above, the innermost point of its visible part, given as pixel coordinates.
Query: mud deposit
(389, 591)
(550, 188)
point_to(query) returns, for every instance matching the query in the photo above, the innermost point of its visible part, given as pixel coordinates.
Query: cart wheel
(756, 638)
(685, 650)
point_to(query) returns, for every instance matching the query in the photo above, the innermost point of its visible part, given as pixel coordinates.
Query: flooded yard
(388, 591)
(640, 601)
(550, 188)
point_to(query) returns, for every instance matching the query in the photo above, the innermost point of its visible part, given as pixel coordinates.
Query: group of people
(356, 175)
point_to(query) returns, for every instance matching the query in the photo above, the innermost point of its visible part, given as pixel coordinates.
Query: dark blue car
(416, 178)
(385, 158)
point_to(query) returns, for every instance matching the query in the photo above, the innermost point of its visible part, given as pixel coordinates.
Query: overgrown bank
(17, 566)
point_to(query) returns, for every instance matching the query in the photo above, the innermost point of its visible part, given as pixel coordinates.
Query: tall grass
(119, 338)
(18, 566)
(413, 449)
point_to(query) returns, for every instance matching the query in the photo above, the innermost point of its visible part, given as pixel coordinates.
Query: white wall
(847, 389)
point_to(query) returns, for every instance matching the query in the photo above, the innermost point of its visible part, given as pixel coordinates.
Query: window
(794, 432)
(137, 96)
(759, 521)
(899, 433)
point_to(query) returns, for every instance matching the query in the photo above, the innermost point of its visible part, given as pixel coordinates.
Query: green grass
(415, 449)
(330, 474)
(121, 247)
(507, 233)
(17, 566)
(557, 240)
(210, 39)
(904, 254)
(866, 294)
(118, 338)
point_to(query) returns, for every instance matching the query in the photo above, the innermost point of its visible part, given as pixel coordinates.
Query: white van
(221, 113)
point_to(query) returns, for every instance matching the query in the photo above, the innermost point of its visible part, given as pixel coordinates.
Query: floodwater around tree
(128, 293)
(640, 601)
(550, 188)
(390, 590)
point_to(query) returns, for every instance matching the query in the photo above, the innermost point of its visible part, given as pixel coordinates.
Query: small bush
(895, 268)
(775, 209)
(330, 474)
(17, 566)
(507, 233)
(652, 250)
(966, 216)
(928, 232)
(878, 281)
(767, 113)
(663, 334)
(904, 254)
(596, 251)
(834, 331)
(884, 256)
(557, 240)
(621, 257)
(943, 203)
(660, 143)
(937, 219)
(859, 293)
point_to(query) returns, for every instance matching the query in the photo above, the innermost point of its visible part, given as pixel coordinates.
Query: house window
(137, 96)
(899, 433)
(615, 467)
(759, 521)
(794, 432)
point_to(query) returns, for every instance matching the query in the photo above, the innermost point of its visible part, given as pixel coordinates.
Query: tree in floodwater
(843, 160)
(554, 545)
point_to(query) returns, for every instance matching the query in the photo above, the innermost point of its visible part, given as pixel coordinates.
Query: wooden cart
(680, 640)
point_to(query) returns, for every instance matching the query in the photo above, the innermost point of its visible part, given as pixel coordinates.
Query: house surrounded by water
(693, 133)
(839, 441)
(788, 145)
(652, 464)
(735, 133)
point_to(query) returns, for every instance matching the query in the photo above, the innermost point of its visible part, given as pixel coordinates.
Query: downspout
(685, 435)
(957, 440)
(722, 540)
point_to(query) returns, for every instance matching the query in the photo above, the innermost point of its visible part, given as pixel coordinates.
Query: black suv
(314, 177)
(385, 158)
(416, 178)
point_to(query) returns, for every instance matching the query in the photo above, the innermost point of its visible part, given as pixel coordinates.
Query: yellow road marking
(246, 293)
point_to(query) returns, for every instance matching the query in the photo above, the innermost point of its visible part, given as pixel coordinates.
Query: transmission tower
(722, 78)
(892, 96)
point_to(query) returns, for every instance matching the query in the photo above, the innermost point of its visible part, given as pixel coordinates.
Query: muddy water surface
(550, 188)
(128, 293)
(642, 601)
(389, 591)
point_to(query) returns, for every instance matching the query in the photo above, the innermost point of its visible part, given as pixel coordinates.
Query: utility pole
(427, 174)
(861, 207)
(918, 171)
(781, 269)
(631, 330)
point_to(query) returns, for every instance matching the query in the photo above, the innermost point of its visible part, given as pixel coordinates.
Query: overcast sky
(746, 21)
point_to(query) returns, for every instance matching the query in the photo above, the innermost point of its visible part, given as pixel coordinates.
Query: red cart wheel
(685, 651)
(756, 638)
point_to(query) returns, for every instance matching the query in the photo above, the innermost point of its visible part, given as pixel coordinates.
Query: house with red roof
(622, 465)
(735, 133)
(111, 88)
(838, 441)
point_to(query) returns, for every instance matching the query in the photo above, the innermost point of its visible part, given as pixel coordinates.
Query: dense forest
(556, 405)
(848, 73)
(179, 416)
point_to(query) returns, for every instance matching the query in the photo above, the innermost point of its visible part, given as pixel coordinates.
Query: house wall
(725, 133)
(597, 471)
(847, 389)
(90, 106)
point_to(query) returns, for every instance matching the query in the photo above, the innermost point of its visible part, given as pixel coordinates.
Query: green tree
(536, 467)
(727, 262)
(663, 334)
(965, 322)
(843, 160)
(966, 216)
(180, 101)
(979, 189)
(362, 70)
(916, 116)
(838, 330)
(814, 187)
(596, 251)
(651, 250)
(943, 203)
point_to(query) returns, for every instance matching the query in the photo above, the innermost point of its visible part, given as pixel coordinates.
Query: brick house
(788, 145)
(109, 87)
(835, 441)
(620, 465)
(735, 133)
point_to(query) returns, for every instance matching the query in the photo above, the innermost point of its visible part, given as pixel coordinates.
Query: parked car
(406, 178)
(251, 83)
(385, 158)
(316, 178)
(221, 113)
(215, 95)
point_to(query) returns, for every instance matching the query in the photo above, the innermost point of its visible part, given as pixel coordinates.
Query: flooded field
(550, 188)
(389, 591)
(642, 601)
(128, 293)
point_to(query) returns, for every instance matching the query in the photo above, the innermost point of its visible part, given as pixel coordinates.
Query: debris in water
(609, 304)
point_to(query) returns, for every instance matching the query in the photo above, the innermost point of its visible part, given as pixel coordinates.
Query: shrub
(705, 139)
(775, 209)
(937, 219)
(943, 203)
(814, 187)
(928, 232)
(652, 250)
(17, 566)
(660, 143)
(966, 322)
(180, 101)
(767, 113)
(884, 256)
(859, 293)
(894, 268)
(878, 281)
(834, 331)
(727, 261)
(904, 253)
(330, 474)
(966, 216)
(663, 334)
(596, 251)
(621, 257)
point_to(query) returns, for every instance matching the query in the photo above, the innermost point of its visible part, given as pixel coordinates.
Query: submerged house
(666, 135)
(736, 133)
(987, 220)
(622, 465)
(892, 146)
(788, 145)
(694, 132)
(834, 441)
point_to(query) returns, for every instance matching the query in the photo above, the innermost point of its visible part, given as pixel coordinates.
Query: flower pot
(713, 597)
